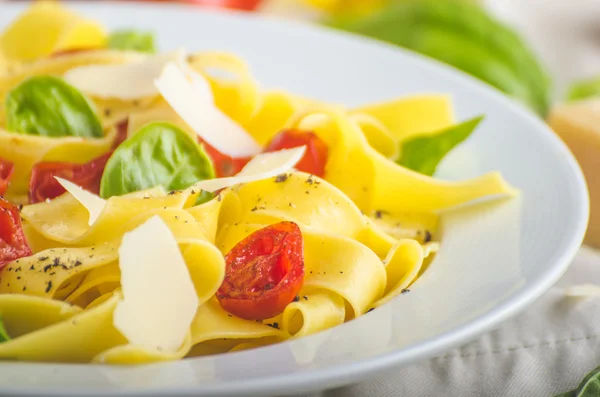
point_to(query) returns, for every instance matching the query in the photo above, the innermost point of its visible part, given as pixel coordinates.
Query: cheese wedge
(578, 125)
(159, 298)
(190, 95)
(127, 81)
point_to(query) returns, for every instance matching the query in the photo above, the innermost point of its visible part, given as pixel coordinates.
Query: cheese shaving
(90, 201)
(159, 298)
(190, 95)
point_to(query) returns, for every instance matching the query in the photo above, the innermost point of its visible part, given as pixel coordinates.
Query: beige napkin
(544, 351)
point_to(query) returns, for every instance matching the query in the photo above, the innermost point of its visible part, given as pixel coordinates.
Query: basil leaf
(47, 106)
(132, 40)
(584, 89)
(4, 337)
(158, 154)
(589, 386)
(424, 153)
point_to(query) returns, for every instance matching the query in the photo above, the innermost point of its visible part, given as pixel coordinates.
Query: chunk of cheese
(262, 166)
(126, 81)
(190, 95)
(93, 203)
(159, 299)
(578, 125)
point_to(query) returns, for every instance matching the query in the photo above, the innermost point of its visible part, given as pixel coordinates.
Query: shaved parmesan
(126, 81)
(159, 298)
(262, 166)
(90, 201)
(190, 95)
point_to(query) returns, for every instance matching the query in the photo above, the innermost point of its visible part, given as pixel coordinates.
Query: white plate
(494, 260)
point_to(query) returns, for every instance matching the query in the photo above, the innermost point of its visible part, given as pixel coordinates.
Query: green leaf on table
(584, 89)
(159, 154)
(424, 153)
(47, 106)
(589, 386)
(4, 337)
(132, 40)
(462, 35)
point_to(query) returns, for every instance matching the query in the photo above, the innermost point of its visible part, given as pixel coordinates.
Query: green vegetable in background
(584, 89)
(48, 106)
(4, 337)
(132, 40)
(464, 36)
(589, 386)
(158, 154)
(424, 153)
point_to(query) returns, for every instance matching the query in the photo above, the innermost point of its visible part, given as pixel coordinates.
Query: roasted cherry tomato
(43, 185)
(315, 157)
(224, 165)
(6, 170)
(13, 244)
(121, 133)
(264, 272)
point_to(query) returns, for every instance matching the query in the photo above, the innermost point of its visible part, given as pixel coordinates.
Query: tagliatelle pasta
(208, 251)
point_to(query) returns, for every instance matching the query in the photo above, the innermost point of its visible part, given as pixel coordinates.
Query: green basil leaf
(424, 153)
(132, 40)
(584, 89)
(4, 337)
(158, 154)
(589, 386)
(47, 106)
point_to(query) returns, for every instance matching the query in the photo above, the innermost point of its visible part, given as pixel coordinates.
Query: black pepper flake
(427, 237)
(146, 198)
(91, 256)
(341, 272)
(18, 277)
(305, 297)
(93, 248)
(309, 180)
(56, 261)
(378, 214)
(172, 192)
(49, 286)
(20, 207)
(281, 178)
(186, 221)
(405, 291)
(47, 267)
(296, 298)
(274, 325)
(307, 192)
(269, 286)
(24, 288)
(10, 269)
(254, 209)
(18, 269)
(311, 272)
(370, 310)
(107, 112)
(193, 191)
(229, 315)
(53, 273)
(176, 217)
(31, 267)
(41, 259)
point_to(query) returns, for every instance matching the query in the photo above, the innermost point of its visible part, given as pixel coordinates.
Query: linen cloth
(544, 351)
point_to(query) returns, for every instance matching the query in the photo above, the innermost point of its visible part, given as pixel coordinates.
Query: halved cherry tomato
(6, 170)
(42, 184)
(224, 165)
(264, 272)
(13, 244)
(315, 157)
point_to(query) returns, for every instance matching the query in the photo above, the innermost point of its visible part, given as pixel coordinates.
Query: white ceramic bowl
(495, 259)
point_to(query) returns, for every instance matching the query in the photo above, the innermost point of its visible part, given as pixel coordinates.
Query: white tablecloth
(544, 351)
